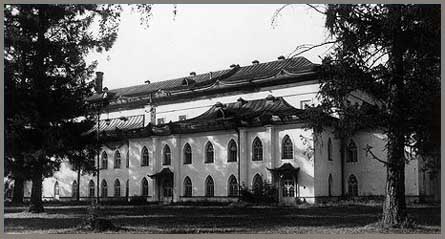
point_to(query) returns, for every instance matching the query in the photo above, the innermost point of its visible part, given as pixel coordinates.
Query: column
(176, 151)
(244, 158)
(155, 167)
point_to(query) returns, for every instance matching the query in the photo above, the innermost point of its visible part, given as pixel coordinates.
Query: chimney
(255, 62)
(99, 82)
(281, 58)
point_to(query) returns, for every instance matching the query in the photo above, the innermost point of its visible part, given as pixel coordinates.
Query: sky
(204, 38)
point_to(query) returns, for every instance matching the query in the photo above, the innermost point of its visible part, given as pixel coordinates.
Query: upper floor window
(209, 153)
(351, 155)
(117, 159)
(304, 104)
(167, 155)
(232, 151)
(187, 154)
(161, 120)
(286, 148)
(145, 157)
(104, 160)
(329, 149)
(127, 164)
(257, 150)
(182, 117)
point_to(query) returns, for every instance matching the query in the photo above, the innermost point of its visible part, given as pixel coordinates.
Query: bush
(266, 194)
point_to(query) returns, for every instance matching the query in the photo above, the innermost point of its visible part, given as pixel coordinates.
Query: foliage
(267, 193)
(46, 84)
(384, 73)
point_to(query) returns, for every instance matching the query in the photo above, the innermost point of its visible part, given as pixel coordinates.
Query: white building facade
(203, 136)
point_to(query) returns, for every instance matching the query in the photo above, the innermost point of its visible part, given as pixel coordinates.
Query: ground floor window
(187, 187)
(352, 186)
(210, 187)
(91, 188)
(233, 186)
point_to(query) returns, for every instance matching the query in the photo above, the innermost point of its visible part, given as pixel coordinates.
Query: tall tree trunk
(36, 194)
(17, 195)
(78, 184)
(394, 207)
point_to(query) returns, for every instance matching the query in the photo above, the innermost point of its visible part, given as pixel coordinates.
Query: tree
(391, 53)
(46, 80)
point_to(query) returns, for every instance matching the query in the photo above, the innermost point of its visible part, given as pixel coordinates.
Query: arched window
(91, 189)
(257, 150)
(144, 187)
(117, 159)
(56, 189)
(117, 188)
(232, 186)
(167, 155)
(329, 149)
(352, 152)
(74, 189)
(104, 160)
(187, 154)
(287, 151)
(104, 192)
(257, 184)
(330, 185)
(127, 160)
(209, 153)
(188, 189)
(210, 187)
(232, 151)
(352, 186)
(145, 158)
(127, 188)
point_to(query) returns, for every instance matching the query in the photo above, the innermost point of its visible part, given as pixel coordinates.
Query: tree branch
(368, 150)
(316, 9)
(277, 13)
(307, 48)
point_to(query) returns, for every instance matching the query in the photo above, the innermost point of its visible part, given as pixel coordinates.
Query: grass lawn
(220, 219)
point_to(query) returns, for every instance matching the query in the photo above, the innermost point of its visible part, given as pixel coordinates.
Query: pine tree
(46, 81)
(391, 53)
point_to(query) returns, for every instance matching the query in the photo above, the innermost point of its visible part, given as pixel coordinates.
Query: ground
(221, 219)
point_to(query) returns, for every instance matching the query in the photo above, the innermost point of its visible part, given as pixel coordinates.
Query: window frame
(209, 155)
(232, 155)
(166, 155)
(145, 157)
(117, 159)
(287, 153)
(187, 154)
(257, 149)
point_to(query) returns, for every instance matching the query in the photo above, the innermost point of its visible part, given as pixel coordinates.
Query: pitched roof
(236, 74)
(122, 123)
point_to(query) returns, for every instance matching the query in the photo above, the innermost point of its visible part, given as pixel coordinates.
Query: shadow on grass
(220, 219)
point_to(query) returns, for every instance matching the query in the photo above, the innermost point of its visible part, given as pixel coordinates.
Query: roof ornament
(281, 58)
(270, 98)
(147, 82)
(255, 62)
(242, 101)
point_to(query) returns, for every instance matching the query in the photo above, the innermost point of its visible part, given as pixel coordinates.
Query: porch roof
(285, 168)
(163, 172)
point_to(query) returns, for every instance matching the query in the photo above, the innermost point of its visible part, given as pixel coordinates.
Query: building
(198, 137)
